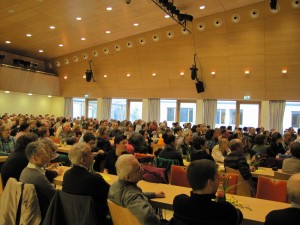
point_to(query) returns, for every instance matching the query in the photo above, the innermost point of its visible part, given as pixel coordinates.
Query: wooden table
(3, 158)
(254, 210)
(264, 171)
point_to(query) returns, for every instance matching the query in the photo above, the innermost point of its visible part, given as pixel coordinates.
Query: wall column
(145, 109)
(199, 110)
(264, 114)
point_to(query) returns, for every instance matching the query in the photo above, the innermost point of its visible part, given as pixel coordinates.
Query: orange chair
(232, 182)
(178, 176)
(144, 158)
(271, 189)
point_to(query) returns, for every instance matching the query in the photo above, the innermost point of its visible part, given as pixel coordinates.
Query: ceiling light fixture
(128, 75)
(8, 42)
(78, 18)
(83, 39)
(247, 72)
(65, 77)
(60, 45)
(28, 35)
(6, 92)
(167, 16)
(108, 31)
(29, 93)
(41, 50)
(105, 76)
(173, 12)
(213, 73)
(202, 7)
(52, 27)
(49, 96)
(136, 24)
(109, 8)
(284, 71)
(182, 73)
(153, 74)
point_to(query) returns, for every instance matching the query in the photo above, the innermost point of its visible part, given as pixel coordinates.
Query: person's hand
(101, 152)
(160, 194)
(252, 168)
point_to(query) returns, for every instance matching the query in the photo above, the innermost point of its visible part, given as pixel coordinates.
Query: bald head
(293, 190)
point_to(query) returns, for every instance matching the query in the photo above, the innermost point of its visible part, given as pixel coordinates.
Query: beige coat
(9, 201)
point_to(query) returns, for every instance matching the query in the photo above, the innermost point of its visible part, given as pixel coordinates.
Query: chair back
(69, 209)
(121, 215)
(243, 188)
(144, 158)
(281, 175)
(232, 183)
(178, 176)
(271, 189)
(165, 163)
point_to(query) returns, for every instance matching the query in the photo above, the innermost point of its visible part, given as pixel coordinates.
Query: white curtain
(154, 109)
(68, 107)
(209, 112)
(106, 108)
(276, 115)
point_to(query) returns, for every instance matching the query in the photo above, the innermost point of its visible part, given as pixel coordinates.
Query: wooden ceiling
(21, 17)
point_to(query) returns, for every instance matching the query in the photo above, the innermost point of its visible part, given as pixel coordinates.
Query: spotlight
(273, 4)
(88, 75)
(194, 70)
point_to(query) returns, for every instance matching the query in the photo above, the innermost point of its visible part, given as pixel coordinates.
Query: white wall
(34, 104)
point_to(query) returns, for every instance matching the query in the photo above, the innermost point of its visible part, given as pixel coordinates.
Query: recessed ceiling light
(60, 45)
(105, 76)
(41, 50)
(182, 73)
(135, 24)
(7, 92)
(108, 31)
(109, 8)
(284, 71)
(83, 39)
(78, 18)
(84, 76)
(202, 7)
(49, 96)
(213, 73)
(11, 11)
(29, 93)
(52, 27)
(7, 42)
(153, 74)
(247, 71)
(65, 77)
(128, 75)
(28, 35)
(167, 16)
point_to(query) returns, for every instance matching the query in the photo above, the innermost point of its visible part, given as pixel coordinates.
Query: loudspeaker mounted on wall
(199, 87)
(88, 75)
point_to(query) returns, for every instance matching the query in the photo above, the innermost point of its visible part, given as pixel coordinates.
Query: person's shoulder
(282, 216)
(180, 198)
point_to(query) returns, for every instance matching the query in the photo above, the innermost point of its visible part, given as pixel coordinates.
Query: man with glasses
(126, 193)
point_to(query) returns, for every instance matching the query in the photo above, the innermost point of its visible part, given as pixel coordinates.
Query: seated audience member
(34, 174)
(200, 208)
(112, 156)
(169, 151)
(286, 140)
(138, 143)
(288, 216)
(178, 137)
(67, 135)
(90, 129)
(186, 146)
(292, 165)
(147, 141)
(51, 149)
(200, 149)
(24, 129)
(115, 131)
(236, 160)
(79, 181)
(103, 140)
(276, 145)
(17, 160)
(210, 140)
(125, 192)
(220, 150)
(259, 144)
(7, 142)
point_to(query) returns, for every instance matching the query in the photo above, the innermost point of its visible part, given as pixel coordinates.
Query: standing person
(79, 181)
(125, 192)
(288, 216)
(34, 174)
(199, 208)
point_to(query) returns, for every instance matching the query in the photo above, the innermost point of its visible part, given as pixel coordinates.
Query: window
(220, 117)
(170, 114)
(168, 110)
(135, 110)
(92, 109)
(78, 107)
(291, 115)
(232, 113)
(187, 112)
(250, 114)
(118, 109)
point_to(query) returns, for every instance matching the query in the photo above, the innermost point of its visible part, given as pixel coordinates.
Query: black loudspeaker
(88, 75)
(199, 87)
(273, 4)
